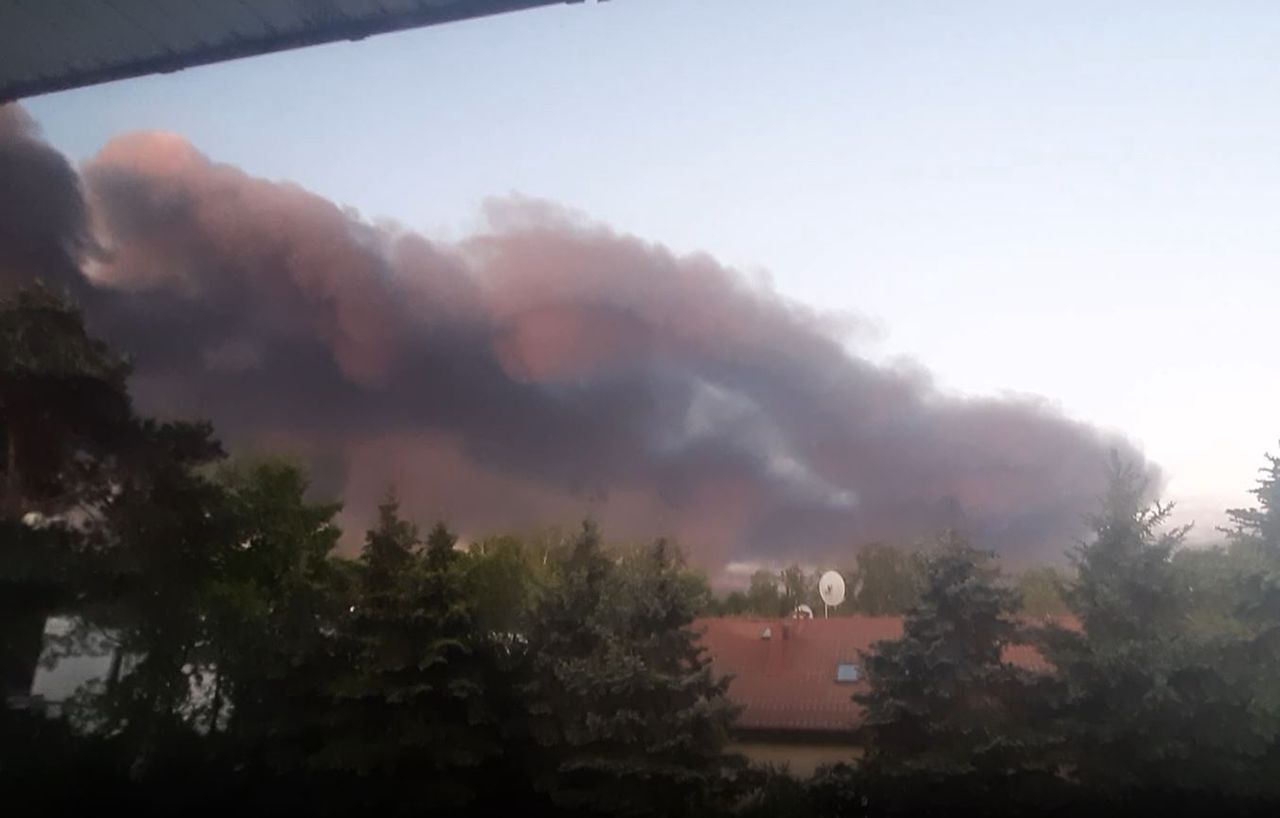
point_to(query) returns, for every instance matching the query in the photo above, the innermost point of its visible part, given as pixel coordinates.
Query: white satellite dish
(804, 612)
(831, 589)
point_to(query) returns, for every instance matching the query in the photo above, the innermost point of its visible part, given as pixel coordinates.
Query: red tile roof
(788, 682)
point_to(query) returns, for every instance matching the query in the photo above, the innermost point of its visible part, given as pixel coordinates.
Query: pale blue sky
(1077, 200)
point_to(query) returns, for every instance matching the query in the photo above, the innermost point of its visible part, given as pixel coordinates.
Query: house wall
(801, 757)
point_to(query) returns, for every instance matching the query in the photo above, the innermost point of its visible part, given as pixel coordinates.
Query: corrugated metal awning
(49, 45)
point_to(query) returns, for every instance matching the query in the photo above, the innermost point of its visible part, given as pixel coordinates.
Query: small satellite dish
(804, 612)
(831, 588)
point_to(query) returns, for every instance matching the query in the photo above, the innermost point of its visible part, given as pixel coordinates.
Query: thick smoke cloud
(43, 225)
(543, 368)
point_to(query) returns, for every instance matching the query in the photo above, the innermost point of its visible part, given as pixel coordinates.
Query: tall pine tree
(940, 704)
(1254, 658)
(631, 718)
(1257, 528)
(1144, 709)
(408, 715)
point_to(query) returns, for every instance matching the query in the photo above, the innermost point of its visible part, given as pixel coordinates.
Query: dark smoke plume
(43, 224)
(541, 369)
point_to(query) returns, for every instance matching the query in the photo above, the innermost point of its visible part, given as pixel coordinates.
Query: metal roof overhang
(52, 45)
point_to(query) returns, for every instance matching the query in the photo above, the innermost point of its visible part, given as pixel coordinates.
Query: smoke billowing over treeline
(542, 368)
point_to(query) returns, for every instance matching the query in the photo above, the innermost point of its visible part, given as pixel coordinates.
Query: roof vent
(767, 633)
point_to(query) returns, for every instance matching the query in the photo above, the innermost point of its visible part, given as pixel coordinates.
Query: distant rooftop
(792, 680)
